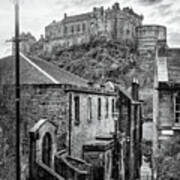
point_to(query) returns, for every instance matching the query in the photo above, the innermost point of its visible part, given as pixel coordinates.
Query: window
(113, 107)
(177, 109)
(99, 109)
(65, 30)
(47, 149)
(107, 108)
(72, 29)
(89, 109)
(84, 27)
(76, 110)
(78, 28)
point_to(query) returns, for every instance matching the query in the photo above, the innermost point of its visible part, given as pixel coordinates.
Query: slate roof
(37, 71)
(81, 17)
(169, 67)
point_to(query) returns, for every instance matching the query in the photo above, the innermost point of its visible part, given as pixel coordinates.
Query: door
(47, 149)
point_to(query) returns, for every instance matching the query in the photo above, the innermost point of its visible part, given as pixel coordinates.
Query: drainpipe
(70, 124)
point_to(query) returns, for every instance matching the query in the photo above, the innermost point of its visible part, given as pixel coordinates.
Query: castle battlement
(113, 23)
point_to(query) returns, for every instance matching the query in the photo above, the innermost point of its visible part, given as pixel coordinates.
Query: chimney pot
(135, 89)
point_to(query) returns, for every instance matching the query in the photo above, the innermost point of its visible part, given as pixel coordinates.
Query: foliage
(168, 160)
(147, 151)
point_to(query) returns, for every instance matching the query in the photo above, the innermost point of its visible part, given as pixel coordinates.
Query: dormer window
(177, 109)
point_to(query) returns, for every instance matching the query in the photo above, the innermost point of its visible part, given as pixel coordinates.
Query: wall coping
(39, 124)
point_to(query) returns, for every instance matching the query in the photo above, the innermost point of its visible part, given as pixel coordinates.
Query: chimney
(65, 15)
(102, 10)
(116, 6)
(135, 89)
(94, 9)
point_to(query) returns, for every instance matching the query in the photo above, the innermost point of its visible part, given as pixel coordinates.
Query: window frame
(177, 123)
(99, 108)
(112, 107)
(76, 110)
(89, 109)
(107, 107)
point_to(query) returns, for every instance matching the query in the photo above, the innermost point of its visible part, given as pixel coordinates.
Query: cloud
(165, 9)
(174, 38)
(149, 2)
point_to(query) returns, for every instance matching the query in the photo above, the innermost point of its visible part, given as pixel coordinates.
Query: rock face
(103, 60)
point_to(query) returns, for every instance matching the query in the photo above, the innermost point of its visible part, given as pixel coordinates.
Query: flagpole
(17, 86)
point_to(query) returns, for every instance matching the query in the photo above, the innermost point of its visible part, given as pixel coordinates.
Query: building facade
(80, 121)
(112, 23)
(166, 97)
(149, 36)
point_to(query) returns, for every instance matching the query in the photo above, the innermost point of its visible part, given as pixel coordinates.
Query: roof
(80, 17)
(168, 67)
(37, 71)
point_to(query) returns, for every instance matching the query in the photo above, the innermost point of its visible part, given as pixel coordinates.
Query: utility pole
(17, 91)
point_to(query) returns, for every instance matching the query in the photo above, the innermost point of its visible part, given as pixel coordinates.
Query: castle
(123, 25)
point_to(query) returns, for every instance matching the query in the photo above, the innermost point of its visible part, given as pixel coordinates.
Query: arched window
(47, 149)
(177, 109)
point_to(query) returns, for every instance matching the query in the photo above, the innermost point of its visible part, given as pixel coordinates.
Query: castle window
(72, 29)
(65, 30)
(76, 110)
(107, 107)
(99, 109)
(177, 109)
(89, 109)
(78, 28)
(84, 27)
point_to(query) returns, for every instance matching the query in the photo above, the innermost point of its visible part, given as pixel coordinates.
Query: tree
(168, 160)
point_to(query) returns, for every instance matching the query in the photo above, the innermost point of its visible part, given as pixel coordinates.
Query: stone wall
(149, 35)
(88, 129)
(40, 101)
(166, 112)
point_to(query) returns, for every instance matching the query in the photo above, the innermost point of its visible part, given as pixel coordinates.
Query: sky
(36, 14)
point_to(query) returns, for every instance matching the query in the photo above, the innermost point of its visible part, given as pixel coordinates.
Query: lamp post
(17, 91)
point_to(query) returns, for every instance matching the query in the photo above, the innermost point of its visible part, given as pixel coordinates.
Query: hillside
(99, 61)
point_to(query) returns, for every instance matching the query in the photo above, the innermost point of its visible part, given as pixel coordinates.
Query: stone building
(149, 36)
(112, 23)
(166, 105)
(80, 121)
